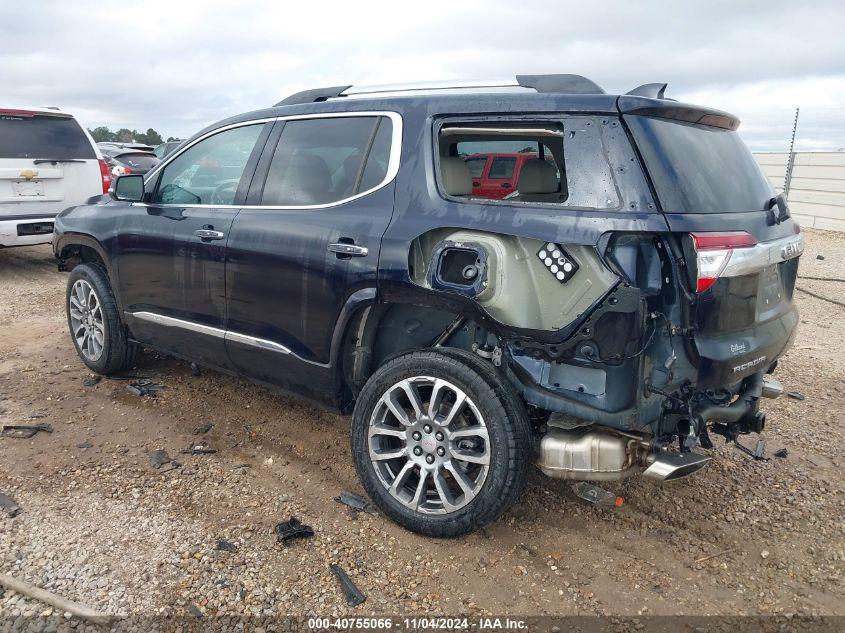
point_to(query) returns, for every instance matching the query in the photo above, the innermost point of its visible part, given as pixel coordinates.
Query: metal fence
(816, 188)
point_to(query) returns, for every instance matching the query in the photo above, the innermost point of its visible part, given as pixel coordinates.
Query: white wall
(817, 191)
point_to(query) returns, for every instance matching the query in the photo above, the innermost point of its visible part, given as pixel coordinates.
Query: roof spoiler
(652, 91)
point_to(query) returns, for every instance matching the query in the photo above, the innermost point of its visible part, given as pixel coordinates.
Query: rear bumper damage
(604, 454)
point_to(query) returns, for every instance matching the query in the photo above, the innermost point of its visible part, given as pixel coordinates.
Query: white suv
(48, 162)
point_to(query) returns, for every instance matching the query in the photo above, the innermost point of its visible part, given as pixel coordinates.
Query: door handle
(350, 250)
(208, 234)
(505, 185)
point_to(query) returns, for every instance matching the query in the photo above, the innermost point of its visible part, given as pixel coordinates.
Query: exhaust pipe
(665, 466)
(608, 456)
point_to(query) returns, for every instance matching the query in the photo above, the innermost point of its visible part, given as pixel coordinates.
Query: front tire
(441, 442)
(97, 332)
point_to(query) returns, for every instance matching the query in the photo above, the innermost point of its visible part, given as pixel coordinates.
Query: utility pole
(791, 160)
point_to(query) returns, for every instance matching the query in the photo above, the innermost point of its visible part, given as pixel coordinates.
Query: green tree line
(124, 135)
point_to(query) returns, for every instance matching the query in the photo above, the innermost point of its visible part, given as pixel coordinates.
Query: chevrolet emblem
(28, 174)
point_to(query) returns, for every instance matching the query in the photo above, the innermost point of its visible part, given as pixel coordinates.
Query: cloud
(177, 66)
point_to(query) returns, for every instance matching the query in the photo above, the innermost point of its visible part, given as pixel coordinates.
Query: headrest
(456, 178)
(538, 176)
(306, 180)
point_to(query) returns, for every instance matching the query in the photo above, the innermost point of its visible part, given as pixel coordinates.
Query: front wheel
(441, 442)
(95, 326)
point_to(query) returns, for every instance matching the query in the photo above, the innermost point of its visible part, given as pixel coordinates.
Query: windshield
(698, 168)
(35, 136)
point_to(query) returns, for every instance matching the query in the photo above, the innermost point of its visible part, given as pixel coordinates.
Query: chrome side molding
(226, 335)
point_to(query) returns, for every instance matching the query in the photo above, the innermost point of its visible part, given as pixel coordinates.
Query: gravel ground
(100, 526)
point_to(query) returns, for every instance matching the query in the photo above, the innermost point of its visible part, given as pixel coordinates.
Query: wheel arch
(72, 249)
(373, 332)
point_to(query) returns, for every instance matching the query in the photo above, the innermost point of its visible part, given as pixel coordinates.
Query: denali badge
(751, 363)
(738, 348)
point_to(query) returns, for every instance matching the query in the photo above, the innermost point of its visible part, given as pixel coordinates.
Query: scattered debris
(24, 431)
(821, 257)
(9, 506)
(287, 530)
(717, 554)
(203, 428)
(782, 453)
(122, 378)
(199, 449)
(159, 458)
(144, 387)
(195, 611)
(597, 496)
(36, 416)
(226, 546)
(355, 502)
(764, 554)
(93, 380)
(62, 604)
(195, 370)
(85, 444)
(354, 597)
(759, 452)
(797, 395)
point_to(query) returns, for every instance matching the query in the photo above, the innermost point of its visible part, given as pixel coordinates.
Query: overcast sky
(177, 66)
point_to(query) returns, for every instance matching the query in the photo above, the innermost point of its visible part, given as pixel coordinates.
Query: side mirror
(129, 188)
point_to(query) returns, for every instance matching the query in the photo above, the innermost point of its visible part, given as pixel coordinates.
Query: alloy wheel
(429, 445)
(86, 320)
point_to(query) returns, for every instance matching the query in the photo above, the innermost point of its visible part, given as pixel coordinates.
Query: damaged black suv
(488, 276)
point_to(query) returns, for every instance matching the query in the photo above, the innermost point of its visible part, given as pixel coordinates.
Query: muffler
(591, 455)
(665, 466)
(607, 456)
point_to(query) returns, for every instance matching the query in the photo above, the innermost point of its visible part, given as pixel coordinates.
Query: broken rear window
(561, 163)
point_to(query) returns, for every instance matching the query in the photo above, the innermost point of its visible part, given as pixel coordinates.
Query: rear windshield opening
(698, 168)
(140, 160)
(43, 136)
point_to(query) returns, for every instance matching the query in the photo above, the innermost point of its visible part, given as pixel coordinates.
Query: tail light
(105, 173)
(713, 252)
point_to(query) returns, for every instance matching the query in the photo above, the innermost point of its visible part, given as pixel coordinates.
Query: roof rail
(313, 95)
(560, 84)
(652, 91)
(547, 84)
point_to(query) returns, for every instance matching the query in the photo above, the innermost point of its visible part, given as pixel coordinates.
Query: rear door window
(327, 160)
(30, 135)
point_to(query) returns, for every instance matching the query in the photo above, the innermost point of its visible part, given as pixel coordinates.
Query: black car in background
(165, 148)
(123, 161)
(628, 299)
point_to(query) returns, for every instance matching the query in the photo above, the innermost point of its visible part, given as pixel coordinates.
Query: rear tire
(100, 338)
(455, 461)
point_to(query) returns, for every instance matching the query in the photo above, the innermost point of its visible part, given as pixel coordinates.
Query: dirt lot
(100, 526)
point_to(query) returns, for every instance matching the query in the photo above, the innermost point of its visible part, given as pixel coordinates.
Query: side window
(502, 168)
(563, 163)
(325, 160)
(476, 165)
(210, 171)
